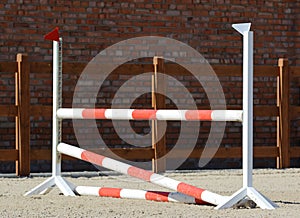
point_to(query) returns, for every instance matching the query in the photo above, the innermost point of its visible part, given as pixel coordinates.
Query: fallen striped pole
(138, 194)
(150, 114)
(142, 174)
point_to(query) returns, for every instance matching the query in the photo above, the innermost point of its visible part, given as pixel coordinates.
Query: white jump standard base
(247, 191)
(65, 186)
(56, 179)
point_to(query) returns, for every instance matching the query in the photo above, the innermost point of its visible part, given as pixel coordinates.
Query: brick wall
(87, 27)
(90, 26)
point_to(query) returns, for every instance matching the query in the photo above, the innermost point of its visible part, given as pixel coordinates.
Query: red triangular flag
(53, 35)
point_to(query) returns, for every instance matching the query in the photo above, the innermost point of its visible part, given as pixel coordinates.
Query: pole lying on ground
(139, 173)
(137, 194)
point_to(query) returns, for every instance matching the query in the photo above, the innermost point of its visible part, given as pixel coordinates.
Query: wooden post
(158, 102)
(17, 121)
(23, 118)
(283, 121)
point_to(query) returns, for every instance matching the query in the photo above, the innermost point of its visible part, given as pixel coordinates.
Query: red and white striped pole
(150, 114)
(142, 174)
(138, 194)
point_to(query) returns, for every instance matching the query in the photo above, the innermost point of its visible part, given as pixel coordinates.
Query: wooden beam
(24, 116)
(133, 69)
(265, 151)
(263, 70)
(177, 70)
(46, 67)
(17, 117)
(231, 152)
(45, 154)
(294, 112)
(8, 67)
(283, 121)
(265, 111)
(158, 102)
(228, 70)
(224, 70)
(8, 110)
(125, 153)
(295, 152)
(148, 153)
(129, 153)
(41, 67)
(40, 154)
(41, 110)
(295, 71)
(74, 68)
(9, 155)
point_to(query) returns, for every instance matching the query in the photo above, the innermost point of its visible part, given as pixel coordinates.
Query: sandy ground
(281, 186)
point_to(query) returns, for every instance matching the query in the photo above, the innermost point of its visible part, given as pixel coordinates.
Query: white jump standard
(187, 191)
(247, 190)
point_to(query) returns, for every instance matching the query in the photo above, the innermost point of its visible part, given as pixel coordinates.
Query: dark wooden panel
(8, 110)
(9, 155)
(8, 67)
(148, 153)
(234, 152)
(263, 70)
(41, 67)
(40, 110)
(265, 111)
(126, 153)
(294, 112)
(295, 152)
(40, 154)
(295, 71)
(46, 67)
(73, 68)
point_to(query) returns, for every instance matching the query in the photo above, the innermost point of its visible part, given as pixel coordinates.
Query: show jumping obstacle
(188, 191)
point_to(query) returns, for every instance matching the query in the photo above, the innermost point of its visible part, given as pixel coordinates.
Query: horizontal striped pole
(138, 194)
(142, 174)
(150, 114)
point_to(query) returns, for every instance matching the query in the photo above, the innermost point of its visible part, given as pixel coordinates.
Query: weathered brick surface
(88, 27)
